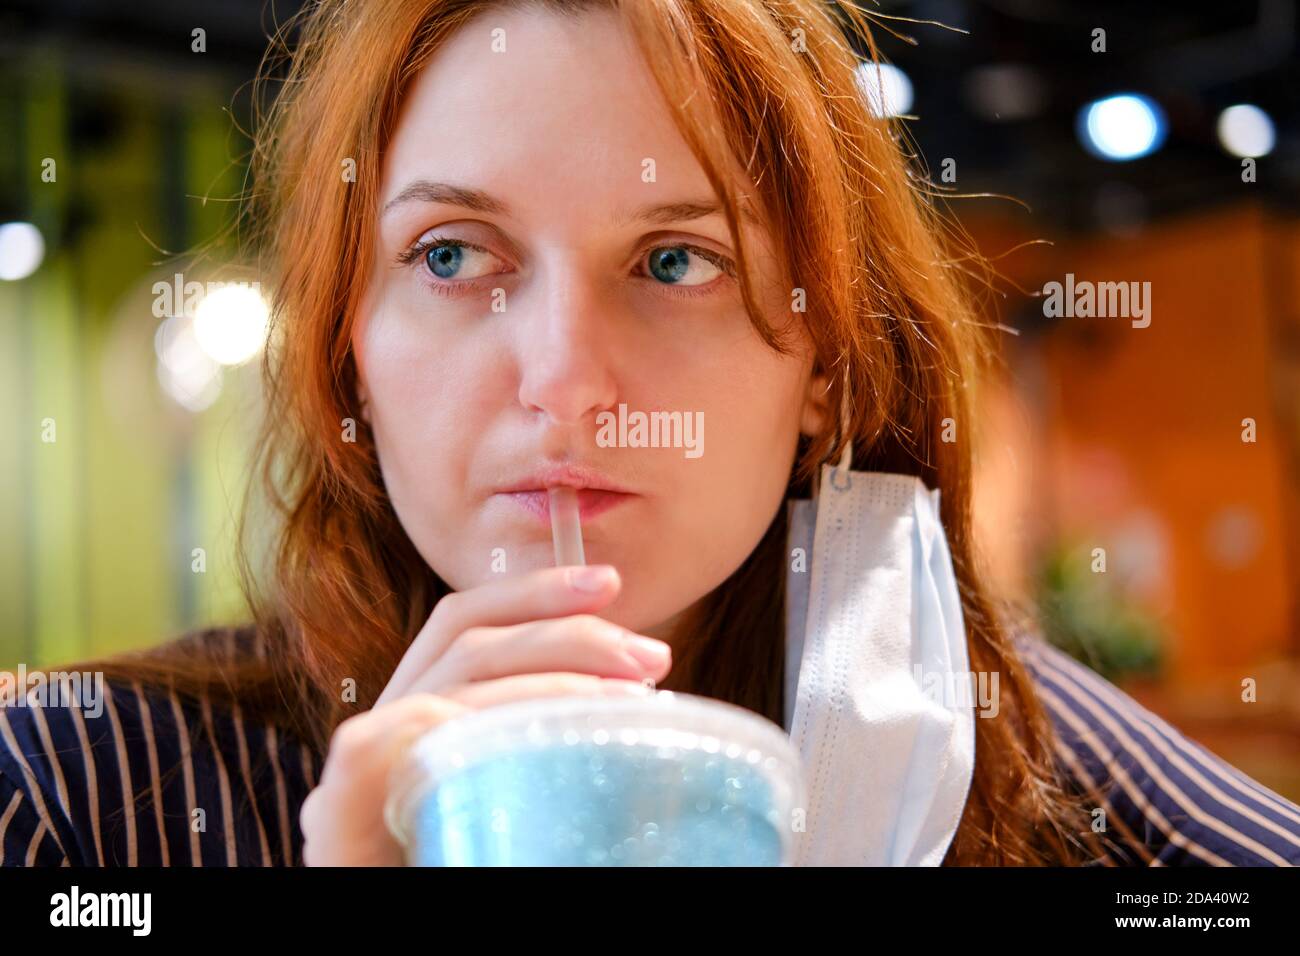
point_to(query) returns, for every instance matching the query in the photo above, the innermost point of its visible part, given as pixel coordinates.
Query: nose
(566, 343)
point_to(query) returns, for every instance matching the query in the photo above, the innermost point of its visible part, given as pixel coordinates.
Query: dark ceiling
(1034, 56)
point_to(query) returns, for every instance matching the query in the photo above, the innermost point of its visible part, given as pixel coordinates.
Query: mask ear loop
(844, 467)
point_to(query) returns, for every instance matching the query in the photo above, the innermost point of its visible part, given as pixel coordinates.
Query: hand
(535, 635)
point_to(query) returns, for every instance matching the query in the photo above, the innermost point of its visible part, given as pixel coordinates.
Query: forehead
(567, 109)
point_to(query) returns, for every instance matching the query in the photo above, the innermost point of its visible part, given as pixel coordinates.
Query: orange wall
(1120, 434)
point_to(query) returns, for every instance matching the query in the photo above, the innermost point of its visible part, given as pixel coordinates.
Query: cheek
(724, 502)
(411, 389)
(763, 417)
(751, 436)
(758, 407)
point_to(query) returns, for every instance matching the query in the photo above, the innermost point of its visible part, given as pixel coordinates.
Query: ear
(363, 397)
(814, 416)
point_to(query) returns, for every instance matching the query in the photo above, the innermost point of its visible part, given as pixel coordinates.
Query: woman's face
(542, 262)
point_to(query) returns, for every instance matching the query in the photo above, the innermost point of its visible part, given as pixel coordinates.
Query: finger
(525, 686)
(368, 743)
(548, 593)
(584, 644)
(363, 751)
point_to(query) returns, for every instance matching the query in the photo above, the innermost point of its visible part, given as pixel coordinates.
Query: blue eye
(444, 260)
(668, 265)
(449, 259)
(672, 265)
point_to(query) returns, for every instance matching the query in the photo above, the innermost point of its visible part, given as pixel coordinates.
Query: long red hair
(338, 591)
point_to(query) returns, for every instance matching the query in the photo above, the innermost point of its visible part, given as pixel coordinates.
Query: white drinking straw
(566, 526)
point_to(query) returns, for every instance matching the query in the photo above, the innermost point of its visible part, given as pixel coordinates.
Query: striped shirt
(1167, 801)
(153, 779)
(158, 780)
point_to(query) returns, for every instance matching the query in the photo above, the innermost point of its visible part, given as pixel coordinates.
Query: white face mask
(877, 675)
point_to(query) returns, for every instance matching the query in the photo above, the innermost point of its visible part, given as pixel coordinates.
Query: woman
(489, 223)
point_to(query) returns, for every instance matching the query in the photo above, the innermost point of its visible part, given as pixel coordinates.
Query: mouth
(596, 493)
(591, 502)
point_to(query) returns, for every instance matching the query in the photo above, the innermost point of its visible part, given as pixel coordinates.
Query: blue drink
(668, 780)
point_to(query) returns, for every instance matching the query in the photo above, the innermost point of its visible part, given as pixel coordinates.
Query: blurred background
(1138, 473)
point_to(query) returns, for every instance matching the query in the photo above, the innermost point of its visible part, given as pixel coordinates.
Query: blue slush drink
(666, 780)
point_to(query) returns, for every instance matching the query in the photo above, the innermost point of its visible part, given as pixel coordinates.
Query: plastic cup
(665, 780)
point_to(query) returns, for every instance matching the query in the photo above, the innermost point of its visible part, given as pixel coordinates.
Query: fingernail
(649, 653)
(590, 579)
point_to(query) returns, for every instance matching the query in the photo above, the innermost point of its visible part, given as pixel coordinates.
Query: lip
(596, 492)
(591, 502)
(574, 476)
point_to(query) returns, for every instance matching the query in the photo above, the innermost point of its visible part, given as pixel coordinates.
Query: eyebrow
(427, 191)
(476, 200)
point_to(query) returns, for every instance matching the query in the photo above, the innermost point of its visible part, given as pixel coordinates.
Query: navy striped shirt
(155, 779)
(1167, 800)
(159, 780)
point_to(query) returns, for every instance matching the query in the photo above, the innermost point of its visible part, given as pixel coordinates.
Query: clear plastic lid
(684, 722)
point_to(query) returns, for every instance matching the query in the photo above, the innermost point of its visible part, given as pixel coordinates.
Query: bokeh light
(21, 250)
(887, 88)
(1246, 130)
(230, 323)
(1123, 127)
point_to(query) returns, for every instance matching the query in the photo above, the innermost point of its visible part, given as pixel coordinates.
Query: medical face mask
(877, 674)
